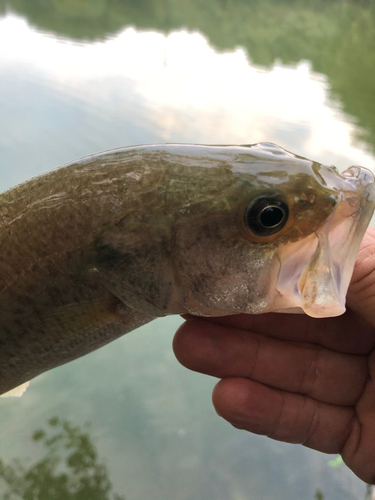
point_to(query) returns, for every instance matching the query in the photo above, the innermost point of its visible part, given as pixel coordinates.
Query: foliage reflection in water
(70, 468)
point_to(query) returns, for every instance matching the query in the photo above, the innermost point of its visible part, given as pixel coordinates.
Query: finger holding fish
(282, 415)
(290, 390)
(301, 367)
(332, 333)
(296, 418)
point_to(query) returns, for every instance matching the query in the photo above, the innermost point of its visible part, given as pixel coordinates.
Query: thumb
(361, 292)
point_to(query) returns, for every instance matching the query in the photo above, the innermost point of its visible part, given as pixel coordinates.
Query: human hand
(294, 378)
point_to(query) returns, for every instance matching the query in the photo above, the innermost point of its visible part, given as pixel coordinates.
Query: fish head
(281, 236)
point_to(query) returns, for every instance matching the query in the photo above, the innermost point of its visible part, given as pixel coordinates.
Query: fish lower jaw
(316, 289)
(321, 304)
(325, 311)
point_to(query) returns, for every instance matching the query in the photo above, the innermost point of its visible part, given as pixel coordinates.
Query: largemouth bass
(102, 245)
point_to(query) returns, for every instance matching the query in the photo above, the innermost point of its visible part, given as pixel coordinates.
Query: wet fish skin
(102, 245)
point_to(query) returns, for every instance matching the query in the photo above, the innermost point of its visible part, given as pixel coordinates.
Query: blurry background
(81, 76)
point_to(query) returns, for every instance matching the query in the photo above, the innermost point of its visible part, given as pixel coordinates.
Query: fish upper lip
(354, 178)
(363, 180)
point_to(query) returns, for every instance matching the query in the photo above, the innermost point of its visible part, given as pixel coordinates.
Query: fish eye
(266, 216)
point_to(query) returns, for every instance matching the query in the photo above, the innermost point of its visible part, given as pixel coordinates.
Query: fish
(106, 243)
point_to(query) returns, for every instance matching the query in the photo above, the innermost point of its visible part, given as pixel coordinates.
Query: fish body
(106, 243)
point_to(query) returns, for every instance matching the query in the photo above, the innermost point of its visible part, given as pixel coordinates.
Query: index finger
(348, 333)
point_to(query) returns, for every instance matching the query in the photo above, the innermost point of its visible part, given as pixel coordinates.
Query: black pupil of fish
(271, 216)
(266, 216)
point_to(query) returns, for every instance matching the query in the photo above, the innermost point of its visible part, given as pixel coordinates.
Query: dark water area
(79, 76)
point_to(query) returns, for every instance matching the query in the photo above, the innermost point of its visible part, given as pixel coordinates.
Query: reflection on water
(337, 37)
(69, 469)
(139, 87)
(80, 76)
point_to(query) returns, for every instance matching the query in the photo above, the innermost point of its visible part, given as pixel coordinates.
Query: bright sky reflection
(190, 92)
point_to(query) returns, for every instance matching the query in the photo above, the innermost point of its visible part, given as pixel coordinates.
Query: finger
(361, 293)
(283, 416)
(359, 451)
(347, 333)
(294, 367)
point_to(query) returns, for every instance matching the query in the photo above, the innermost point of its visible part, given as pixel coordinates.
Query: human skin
(295, 378)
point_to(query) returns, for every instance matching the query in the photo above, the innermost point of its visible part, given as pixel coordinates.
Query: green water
(80, 76)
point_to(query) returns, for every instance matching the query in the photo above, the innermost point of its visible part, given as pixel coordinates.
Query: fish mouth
(315, 272)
